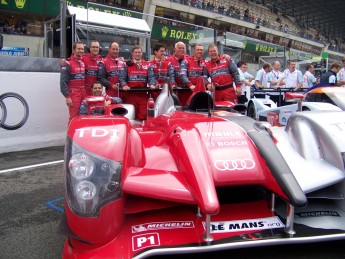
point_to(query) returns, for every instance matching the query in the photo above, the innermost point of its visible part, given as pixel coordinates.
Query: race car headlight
(91, 181)
(81, 166)
(85, 190)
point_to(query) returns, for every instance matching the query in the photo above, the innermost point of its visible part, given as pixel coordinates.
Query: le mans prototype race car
(199, 180)
(319, 97)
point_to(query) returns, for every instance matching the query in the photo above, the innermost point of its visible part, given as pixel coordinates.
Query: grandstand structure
(302, 28)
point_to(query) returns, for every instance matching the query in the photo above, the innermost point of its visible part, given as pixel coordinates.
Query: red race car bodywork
(180, 182)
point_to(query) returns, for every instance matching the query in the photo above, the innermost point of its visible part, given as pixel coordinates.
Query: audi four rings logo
(4, 111)
(235, 164)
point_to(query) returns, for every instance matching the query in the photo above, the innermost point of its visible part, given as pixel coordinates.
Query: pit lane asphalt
(31, 205)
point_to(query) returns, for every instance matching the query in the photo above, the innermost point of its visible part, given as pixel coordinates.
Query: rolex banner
(174, 33)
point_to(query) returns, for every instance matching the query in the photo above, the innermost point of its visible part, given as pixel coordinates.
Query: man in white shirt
(309, 79)
(272, 80)
(293, 77)
(261, 76)
(245, 79)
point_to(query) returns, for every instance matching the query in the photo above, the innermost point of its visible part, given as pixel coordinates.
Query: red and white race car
(187, 182)
(319, 97)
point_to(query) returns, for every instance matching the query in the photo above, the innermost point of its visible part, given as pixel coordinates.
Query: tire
(304, 108)
(4, 111)
(251, 110)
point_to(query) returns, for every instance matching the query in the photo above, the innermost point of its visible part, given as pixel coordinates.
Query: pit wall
(47, 112)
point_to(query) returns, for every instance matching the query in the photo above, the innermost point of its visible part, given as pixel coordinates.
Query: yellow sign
(265, 48)
(20, 3)
(182, 35)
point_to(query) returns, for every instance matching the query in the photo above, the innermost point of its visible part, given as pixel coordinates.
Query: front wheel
(251, 110)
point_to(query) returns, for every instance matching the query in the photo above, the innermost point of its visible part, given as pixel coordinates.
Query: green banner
(299, 55)
(52, 7)
(106, 9)
(258, 47)
(170, 32)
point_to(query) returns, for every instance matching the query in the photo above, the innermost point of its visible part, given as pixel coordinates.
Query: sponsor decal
(222, 134)
(248, 224)
(227, 143)
(145, 240)
(98, 133)
(318, 213)
(235, 164)
(162, 225)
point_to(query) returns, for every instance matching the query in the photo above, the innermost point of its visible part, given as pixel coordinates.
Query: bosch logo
(236, 164)
(4, 118)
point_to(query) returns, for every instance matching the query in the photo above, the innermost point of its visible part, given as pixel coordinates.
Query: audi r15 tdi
(198, 179)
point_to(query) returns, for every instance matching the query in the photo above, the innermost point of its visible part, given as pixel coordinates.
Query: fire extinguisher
(150, 108)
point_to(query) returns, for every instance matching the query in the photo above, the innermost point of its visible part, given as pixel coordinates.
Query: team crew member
(262, 76)
(135, 77)
(341, 74)
(72, 80)
(95, 104)
(222, 71)
(193, 69)
(309, 79)
(110, 69)
(331, 75)
(176, 59)
(91, 61)
(245, 78)
(272, 80)
(160, 70)
(293, 77)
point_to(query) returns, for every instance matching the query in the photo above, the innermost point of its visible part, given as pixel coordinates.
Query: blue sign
(14, 52)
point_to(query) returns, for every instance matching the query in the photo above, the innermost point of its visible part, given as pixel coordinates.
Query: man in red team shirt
(110, 69)
(91, 61)
(176, 60)
(135, 77)
(223, 72)
(160, 70)
(193, 69)
(72, 80)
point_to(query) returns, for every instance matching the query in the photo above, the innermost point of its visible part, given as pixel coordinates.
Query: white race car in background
(264, 109)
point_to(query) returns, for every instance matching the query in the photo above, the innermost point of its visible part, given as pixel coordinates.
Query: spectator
(222, 72)
(95, 106)
(72, 80)
(110, 69)
(135, 77)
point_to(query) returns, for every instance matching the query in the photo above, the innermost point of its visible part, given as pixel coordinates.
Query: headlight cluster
(91, 181)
